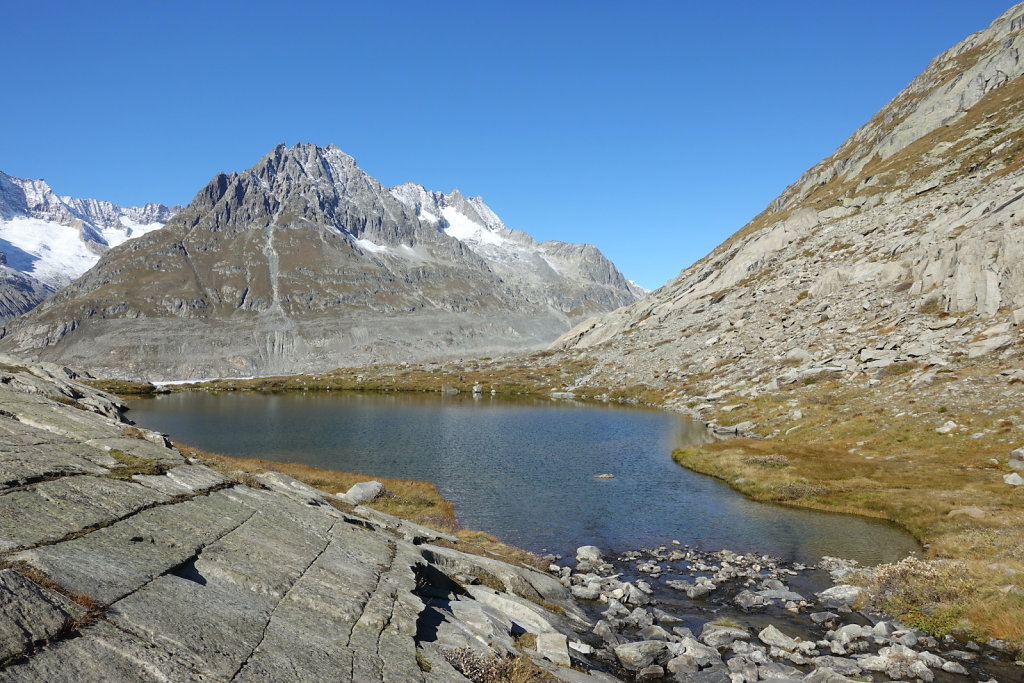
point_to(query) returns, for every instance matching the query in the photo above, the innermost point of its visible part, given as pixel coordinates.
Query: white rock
(554, 647)
(1016, 460)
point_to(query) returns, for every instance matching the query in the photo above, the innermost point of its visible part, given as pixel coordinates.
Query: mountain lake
(524, 469)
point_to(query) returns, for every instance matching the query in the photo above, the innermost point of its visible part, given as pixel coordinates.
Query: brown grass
(132, 465)
(485, 545)
(875, 452)
(133, 432)
(417, 501)
(120, 387)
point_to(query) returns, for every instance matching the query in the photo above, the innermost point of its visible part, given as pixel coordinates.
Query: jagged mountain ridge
(905, 245)
(54, 239)
(305, 262)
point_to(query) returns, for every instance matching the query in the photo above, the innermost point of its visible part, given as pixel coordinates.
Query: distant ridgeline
(304, 262)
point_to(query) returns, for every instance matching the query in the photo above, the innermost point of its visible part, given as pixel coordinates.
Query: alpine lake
(524, 470)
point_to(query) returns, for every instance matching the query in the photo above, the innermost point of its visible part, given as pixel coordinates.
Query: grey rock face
(19, 293)
(187, 575)
(304, 262)
(890, 251)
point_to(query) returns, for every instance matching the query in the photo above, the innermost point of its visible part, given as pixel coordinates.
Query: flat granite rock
(102, 653)
(49, 511)
(111, 562)
(183, 480)
(29, 613)
(140, 448)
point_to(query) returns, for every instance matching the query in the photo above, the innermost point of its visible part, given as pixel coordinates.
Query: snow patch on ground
(372, 247)
(176, 382)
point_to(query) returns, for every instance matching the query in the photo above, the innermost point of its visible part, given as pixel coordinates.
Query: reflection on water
(524, 469)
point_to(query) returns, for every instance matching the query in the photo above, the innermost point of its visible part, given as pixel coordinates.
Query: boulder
(650, 673)
(827, 676)
(364, 492)
(1013, 479)
(715, 635)
(636, 656)
(772, 636)
(1016, 460)
(588, 553)
(682, 664)
(989, 345)
(841, 595)
(971, 511)
(704, 655)
(554, 647)
(586, 592)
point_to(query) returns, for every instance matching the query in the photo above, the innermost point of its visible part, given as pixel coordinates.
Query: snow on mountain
(472, 222)
(54, 239)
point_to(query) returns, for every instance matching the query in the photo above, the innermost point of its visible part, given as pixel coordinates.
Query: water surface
(523, 470)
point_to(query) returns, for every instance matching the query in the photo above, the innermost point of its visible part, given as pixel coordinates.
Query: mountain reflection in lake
(523, 470)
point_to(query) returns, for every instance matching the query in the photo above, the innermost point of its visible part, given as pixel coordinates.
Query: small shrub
(477, 668)
(772, 460)
(133, 432)
(132, 465)
(495, 669)
(929, 595)
(800, 488)
(897, 369)
(931, 306)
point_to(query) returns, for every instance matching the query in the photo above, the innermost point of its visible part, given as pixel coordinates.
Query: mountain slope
(55, 239)
(305, 262)
(902, 248)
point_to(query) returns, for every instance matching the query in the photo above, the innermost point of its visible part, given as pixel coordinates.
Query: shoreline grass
(880, 452)
(410, 499)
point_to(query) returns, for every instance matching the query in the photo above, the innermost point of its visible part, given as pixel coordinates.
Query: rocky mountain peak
(305, 262)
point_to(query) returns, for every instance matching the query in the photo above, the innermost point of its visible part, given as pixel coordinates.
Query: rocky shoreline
(682, 614)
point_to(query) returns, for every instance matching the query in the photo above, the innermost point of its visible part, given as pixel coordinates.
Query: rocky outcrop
(122, 560)
(19, 293)
(304, 262)
(904, 246)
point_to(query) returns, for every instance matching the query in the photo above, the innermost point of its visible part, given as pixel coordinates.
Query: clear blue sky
(651, 129)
